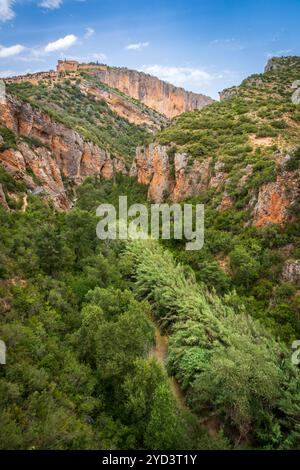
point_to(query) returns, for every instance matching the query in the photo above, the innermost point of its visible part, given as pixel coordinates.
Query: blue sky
(202, 45)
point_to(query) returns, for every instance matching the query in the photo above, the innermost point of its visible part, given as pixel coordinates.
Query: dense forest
(78, 319)
(80, 316)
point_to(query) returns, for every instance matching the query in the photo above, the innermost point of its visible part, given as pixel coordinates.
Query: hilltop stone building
(64, 66)
(67, 66)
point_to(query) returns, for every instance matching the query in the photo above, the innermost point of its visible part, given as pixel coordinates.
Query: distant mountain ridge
(163, 97)
(238, 149)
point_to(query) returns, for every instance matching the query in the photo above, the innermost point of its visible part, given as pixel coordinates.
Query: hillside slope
(59, 127)
(241, 158)
(55, 133)
(243, 150)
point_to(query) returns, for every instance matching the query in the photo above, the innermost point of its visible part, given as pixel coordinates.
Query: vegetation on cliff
(94, 120)
(232, 130)
(253, 134)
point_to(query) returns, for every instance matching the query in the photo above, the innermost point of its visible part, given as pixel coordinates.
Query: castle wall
(67, 66)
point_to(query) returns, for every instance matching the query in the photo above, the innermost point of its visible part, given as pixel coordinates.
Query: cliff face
(275, 198)
(47, 152)
(179, 177)
(158, 95)
(276, 63)
(169, 176)
(62, 152)
(175, 176)
(161, 96)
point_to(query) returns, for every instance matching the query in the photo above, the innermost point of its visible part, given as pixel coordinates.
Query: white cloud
(50, 4)
(89, 32)
(188, 77)
(10, 51)
(62, 43)
(35, 54)
(99, 57)
(179, 75)
(231, 44)
(6, 11)
(222, 41)
(137, 46)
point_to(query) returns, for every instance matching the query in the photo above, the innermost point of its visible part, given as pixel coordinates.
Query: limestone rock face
(169, 176)
(151, 167)
(41, 164)
(291, 271)
(226, 202)
(274, 199)
(179, 177)
(3, 201)
(64, 152)
(275, 63)
(165, 98)
(228, 93)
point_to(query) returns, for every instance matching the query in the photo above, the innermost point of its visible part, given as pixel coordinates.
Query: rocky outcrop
(226, 202)
(291, 271)
(125, 108)
(3, 201)
(36, 168)
(34, 78)
(165, 98)
(177, 176)
(275, 63)
(170, 175)
(274, 200)
(63, 152)
(228, 93)
(151, 167)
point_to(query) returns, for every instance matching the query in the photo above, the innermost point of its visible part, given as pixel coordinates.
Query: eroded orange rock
(179, 177)
(169, 176)
(63, 152)
(274, 199)
(165, 98)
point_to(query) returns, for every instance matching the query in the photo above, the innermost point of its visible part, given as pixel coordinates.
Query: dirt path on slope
(24, 203)
(160, 352)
